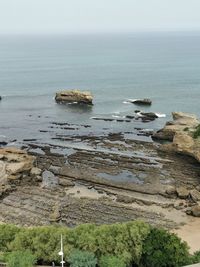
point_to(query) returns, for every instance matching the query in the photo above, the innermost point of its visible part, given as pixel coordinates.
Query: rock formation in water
(182, 131)
(144, 101)
(74, 96)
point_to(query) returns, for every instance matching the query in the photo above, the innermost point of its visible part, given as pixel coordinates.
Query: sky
(85, 16)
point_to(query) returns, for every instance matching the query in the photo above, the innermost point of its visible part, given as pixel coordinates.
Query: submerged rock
(74, 97)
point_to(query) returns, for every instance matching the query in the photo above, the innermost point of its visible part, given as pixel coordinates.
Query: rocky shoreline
(71, 174)
(100, 179)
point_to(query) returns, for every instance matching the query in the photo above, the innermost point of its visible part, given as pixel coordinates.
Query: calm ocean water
(162, 66)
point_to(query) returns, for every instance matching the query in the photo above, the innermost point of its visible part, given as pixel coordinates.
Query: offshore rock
(74, 96)
(145, 101)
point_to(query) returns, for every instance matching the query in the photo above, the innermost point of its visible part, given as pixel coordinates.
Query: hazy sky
(50, 16)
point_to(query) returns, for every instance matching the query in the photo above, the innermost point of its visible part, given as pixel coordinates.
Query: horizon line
(136, 31)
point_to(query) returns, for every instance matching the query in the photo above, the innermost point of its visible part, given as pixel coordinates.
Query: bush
(124, 239)
(163, 249)
(196, 134)
(7, 235)
(82, 259)
(43, 242)
(195, 258)
(111, 261)
(21, 259)
(132, 242)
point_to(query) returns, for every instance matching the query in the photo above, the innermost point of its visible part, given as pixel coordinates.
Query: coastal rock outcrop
(182, 122)
(14, 163)
(182, 132)
(74, 96)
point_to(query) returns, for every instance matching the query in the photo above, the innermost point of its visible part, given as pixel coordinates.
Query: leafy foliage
(82, 259)
(21, 259)
(111, 261)
(124, 239)
(163, 249)
(196, 134)
(7, 235)
(196, 257)
(133, 243)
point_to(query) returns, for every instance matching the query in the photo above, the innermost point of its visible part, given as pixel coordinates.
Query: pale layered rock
(182, 192)
(74, 96)
(180, 131)
(55, 216)
(195, 195)
(181, 122)
(14, 163)
(184, 143)
(36, 171)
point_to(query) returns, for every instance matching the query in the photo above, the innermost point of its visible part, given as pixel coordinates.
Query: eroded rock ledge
(180, 132)
(14, 165)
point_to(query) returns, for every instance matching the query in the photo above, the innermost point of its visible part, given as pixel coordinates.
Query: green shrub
(111, 261)
(43, 242)
(2, 257)
(21, 259)
(195, 258)
(82, 259)
(163, 249)
(196, 134)
(124, 239)
(133, 242)
(7, 235)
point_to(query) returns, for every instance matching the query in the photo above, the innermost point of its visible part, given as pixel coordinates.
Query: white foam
(160, 115)
(132, 100)
(126, 102)
(72, 103)
(117, 116)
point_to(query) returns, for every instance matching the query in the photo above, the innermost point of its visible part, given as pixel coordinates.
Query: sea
(162, 66)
